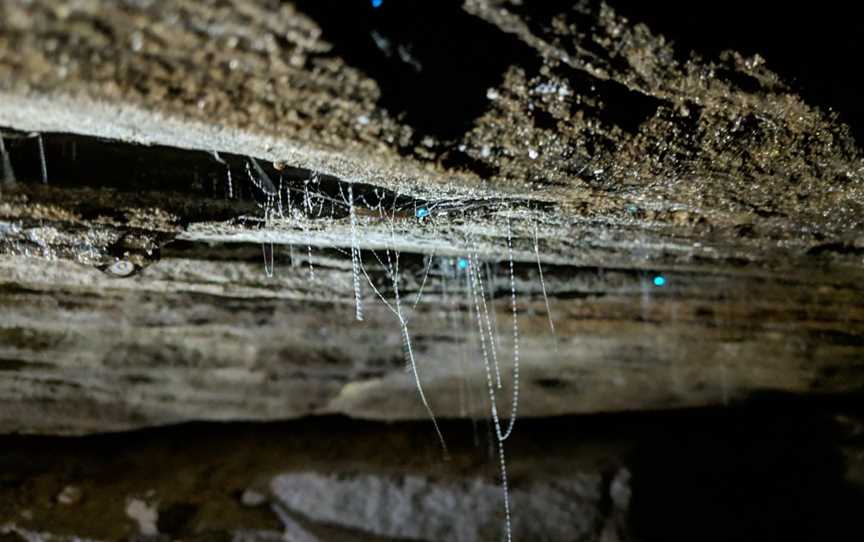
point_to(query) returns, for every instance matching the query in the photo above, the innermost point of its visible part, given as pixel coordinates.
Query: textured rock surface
(413, 507)
(388, 484)
(785, 473)
(189, 340)
(699, 224)
(626, 157)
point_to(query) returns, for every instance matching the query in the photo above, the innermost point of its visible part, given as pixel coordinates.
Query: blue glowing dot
(377, 3)
(659, 280)
(422, 212)
(462, 264)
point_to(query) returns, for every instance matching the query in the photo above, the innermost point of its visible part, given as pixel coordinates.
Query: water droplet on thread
(121, 268)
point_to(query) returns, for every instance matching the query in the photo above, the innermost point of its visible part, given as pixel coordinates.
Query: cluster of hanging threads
(481, 289)
(271, 194)
(392, 271)
(477, 292)
(230, 186)
(6, 164)
(355, 255)
(8, 173)
(543, 287)
(42, 162)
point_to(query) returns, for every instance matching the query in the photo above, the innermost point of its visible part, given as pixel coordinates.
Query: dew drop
(121, 268)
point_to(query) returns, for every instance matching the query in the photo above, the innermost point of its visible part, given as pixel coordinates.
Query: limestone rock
(698, 224)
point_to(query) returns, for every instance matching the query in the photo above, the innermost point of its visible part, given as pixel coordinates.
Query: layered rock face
(251, 210)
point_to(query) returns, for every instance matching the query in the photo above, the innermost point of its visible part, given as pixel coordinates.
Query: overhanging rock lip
(62, 113)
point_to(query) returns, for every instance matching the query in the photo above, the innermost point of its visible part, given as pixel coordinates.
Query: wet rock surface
(198, 201)
(603, 156)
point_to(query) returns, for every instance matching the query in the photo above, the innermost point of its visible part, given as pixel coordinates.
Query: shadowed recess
(432, 61)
